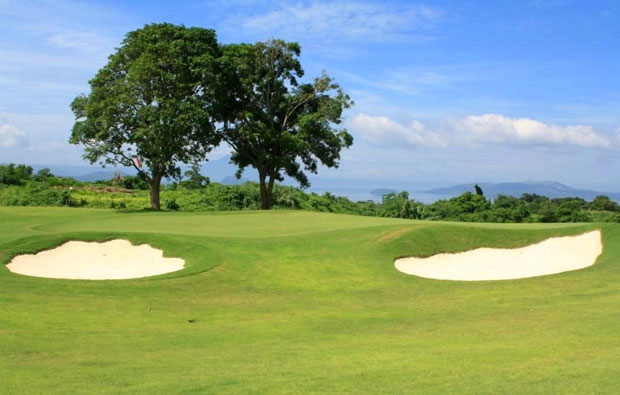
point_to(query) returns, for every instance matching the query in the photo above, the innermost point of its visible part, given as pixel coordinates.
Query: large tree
(152, 101)
(273, 122)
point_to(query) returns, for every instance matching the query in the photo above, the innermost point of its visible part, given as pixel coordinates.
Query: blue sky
(446, 91)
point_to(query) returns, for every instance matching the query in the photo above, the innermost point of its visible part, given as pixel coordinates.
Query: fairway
(298, 302)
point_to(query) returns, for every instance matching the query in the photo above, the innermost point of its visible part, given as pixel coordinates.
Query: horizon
(253, 177)
(364, 192)
(443, 92)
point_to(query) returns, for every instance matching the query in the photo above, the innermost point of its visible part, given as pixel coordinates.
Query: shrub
(172, 205)
(15, 175)
(134, 182)
(43, 175)
(65, 199)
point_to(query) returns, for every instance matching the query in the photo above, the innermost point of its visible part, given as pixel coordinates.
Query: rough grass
(297, 302)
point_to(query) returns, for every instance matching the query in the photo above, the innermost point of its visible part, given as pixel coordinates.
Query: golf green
(297, 302)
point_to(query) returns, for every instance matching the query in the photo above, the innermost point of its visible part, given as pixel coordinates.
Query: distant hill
(221, 169)
(103, 175)
(232, 180)
(85, 173)
(550, 189)
(214, 169)
(380, 192)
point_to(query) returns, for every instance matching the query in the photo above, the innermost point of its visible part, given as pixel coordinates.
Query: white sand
(554, 255)
(111, 260)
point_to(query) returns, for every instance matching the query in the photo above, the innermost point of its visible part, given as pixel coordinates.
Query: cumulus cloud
(11, 136)
(496, 128)
(475, 130)
(386, 133)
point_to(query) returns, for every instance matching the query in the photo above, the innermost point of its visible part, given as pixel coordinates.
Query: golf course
(296, 302)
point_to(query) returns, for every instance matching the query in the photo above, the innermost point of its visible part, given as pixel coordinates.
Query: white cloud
(413, 80)
(347, 21)
(385, 133)
(496, 128)
(475, 130)
(93, 27)
(11, 136)
(219, 152)
(84, 41)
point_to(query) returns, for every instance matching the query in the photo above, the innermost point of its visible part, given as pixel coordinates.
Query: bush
(65, 199)
(15, 175)
(60, 191)
(172, 205)
(603, 203)
(194, 180)
(118, 205)
(43, 175)
(137, 182)
(36, 195)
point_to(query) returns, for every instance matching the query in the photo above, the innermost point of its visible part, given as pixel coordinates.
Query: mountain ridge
(551, 189)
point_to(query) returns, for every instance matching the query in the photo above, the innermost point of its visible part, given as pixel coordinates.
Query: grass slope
(293, 302)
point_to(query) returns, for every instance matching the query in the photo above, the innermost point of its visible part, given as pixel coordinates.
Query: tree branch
(289, 113)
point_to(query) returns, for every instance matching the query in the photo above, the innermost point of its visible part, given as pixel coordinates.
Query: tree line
(170, 94)
(20, 186)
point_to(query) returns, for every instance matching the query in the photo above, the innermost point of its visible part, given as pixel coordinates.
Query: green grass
(297, 302)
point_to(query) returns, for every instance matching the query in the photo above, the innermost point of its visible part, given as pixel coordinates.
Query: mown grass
(297, 302)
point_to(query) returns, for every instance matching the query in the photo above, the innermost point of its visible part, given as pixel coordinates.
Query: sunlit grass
(292, 302)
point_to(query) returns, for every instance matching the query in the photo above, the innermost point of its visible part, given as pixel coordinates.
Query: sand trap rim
(551, 255)
(582, 231)
(33, 245)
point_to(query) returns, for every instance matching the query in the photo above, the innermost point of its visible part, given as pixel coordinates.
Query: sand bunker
(555, 255)
(111, 260)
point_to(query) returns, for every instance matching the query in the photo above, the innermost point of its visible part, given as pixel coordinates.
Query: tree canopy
(156, 104)
(153, 101)
(14, 175)
(273, 122)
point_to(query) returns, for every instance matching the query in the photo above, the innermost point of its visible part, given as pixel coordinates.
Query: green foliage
(163, 90)
(153, 100)
(196, 194)
(286, 198)
(193, 179)
(59, 181)
(43, 175)
(603, 203)
(14, 175)
(604, 216)
(135, 182)
(398, 206)
(276, 124)
(118, 205)
(117, 179)
(37, 195)
(172, 205)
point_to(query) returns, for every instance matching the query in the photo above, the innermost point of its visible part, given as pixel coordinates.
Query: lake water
(363, 194)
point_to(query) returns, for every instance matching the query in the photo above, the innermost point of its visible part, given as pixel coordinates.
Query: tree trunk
(272, 179)
(265, 191)
(155, 184)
